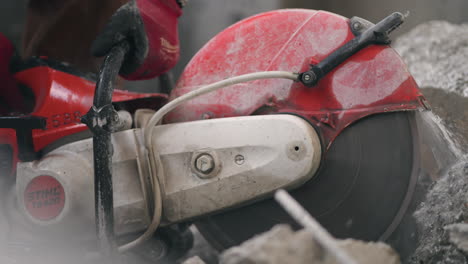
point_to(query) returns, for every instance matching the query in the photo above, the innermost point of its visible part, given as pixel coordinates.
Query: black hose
(101, 119)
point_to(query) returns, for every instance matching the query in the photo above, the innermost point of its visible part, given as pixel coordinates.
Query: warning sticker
(44, 198)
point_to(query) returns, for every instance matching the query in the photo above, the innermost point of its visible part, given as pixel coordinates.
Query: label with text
(44, 198)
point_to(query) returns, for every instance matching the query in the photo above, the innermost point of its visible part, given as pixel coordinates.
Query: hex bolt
(205, 163)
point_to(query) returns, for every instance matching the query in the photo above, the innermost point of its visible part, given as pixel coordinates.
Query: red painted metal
(62, 98)
(375, 80)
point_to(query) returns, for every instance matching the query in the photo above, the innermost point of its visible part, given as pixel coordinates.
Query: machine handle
(101, 120)
(377, 34)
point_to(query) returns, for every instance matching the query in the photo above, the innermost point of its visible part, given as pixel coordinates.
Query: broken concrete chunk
(283, 245)
(368, 252)
(279, 245)
(194, 260)
(436, 53)
(459, 236)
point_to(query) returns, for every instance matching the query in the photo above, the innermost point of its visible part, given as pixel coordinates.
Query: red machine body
(374, 80)
(62, 98)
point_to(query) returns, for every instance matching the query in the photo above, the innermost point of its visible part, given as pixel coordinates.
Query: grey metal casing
(278, 151)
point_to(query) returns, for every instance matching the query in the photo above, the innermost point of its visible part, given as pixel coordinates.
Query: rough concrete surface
(452, 108)
(458, 234)
(437, 54)
(283, 245)
(368, 252)
(280, 245)
(446, 203)
(194, 260)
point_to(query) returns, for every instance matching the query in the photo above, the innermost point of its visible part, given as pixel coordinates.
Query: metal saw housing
(374, 80)
(360, 109)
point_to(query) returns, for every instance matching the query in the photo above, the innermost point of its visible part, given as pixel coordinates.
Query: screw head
(308, 78)
(356, 26)
(205, 163)
(239, 159)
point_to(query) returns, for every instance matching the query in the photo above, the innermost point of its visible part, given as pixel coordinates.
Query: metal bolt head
(356, 26)
(308, 78)
(239, 159)
(205, 163)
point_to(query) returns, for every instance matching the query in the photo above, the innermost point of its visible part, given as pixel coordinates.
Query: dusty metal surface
(338, 196)
(72, 166)
(279, 151)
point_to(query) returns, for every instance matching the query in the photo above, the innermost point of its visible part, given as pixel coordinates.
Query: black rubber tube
(103, 149)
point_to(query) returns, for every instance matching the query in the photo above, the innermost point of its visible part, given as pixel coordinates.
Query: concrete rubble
(283, 245)
(445, 204)
(194, 260)
(436, 53)
(458, 234)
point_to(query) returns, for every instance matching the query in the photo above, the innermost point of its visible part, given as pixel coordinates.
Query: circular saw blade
(362, 189)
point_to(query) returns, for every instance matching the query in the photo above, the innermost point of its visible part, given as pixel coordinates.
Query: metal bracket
(359, 25)
(101, 120)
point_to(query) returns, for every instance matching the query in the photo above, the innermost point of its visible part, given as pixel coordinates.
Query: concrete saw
(312, 102)
(353, 89)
